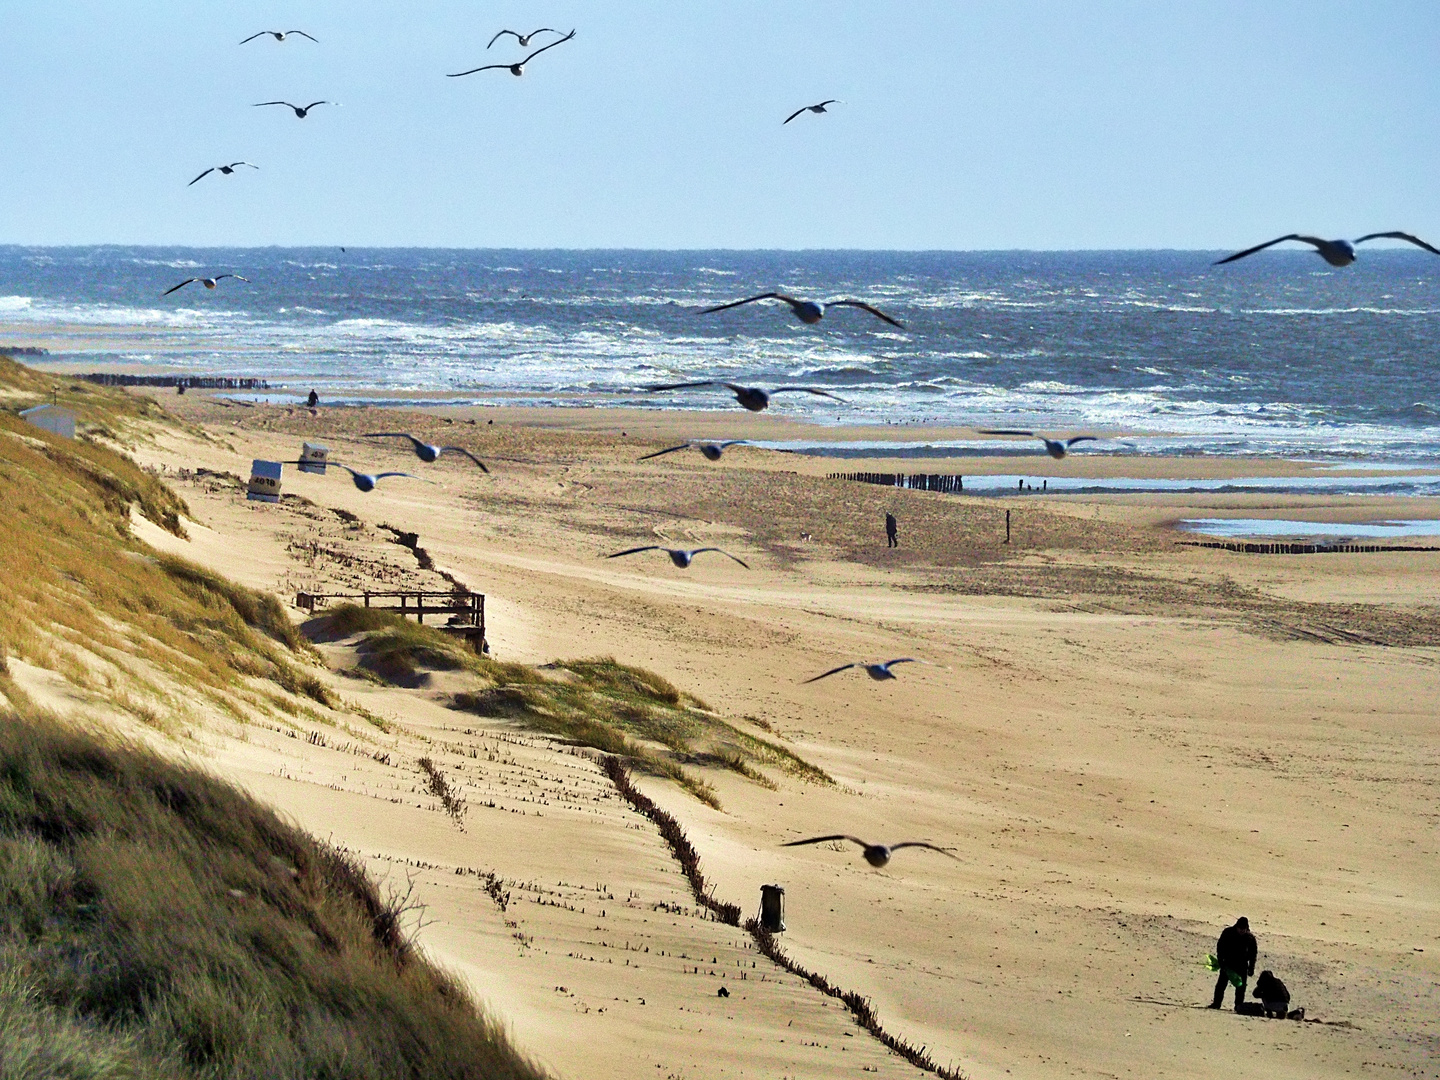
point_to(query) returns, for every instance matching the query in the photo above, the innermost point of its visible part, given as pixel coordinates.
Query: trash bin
(772, 908)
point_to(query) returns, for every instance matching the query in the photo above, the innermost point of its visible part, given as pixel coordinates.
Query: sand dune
(1127, 743)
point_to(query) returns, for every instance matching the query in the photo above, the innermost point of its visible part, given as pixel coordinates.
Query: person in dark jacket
(1236, 951)
(1273, 995)
(313, 400)
(892, 528)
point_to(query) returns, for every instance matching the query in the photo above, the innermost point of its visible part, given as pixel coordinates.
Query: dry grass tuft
(626, 711)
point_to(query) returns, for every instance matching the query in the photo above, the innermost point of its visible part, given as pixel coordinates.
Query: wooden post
(1007, 526)
(367, 599)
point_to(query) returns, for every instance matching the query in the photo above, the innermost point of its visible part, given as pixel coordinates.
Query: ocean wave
(15, 303)
(1358, 310)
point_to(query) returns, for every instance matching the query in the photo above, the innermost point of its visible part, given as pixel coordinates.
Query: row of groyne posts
(948, 485)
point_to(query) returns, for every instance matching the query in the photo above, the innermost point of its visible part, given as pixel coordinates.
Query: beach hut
(772, 908)
(264, 481)
(314, 458)
(52, 418)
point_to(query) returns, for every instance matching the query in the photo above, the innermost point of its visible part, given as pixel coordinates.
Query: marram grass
(156, 922)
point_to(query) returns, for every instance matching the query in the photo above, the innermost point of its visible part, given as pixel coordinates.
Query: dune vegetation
(156, 635)
(155, 922)
(599, 703)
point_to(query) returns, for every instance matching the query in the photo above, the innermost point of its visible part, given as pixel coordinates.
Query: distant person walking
(313, 399)
(1236, 951)
(892, 529)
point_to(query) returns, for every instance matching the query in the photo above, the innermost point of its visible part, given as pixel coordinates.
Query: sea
(1159, 351)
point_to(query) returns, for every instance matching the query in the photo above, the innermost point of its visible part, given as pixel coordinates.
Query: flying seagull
(807, 311)
(515, 69)
(679, 556)
(814, 108)
(208, 282)
(280, 35)
(228, 170)
(878, 672)
(366, 481)
(523, 39)
(1334, 252)
(712, 451)
(753, 398)
(1054, 447)
(426, 452)
(876, 855)
(301, 111)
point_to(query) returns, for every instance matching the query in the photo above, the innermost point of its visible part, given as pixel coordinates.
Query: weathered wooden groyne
(190, 382)
(1284, 547)
(948, 484)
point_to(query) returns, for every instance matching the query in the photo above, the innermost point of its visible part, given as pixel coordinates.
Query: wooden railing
(466, 610)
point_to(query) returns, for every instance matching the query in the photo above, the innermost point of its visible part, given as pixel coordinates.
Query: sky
(967, 126)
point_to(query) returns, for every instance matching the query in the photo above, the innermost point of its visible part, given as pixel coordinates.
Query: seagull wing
(900, 660)
(828, 101)
(542, 48)
(817, 678)
(1090, 438)
(182, 284)
(749, 300)
(392, 435)
(467, 453)
(684, 385)
(866, 307)
(304, 35)
(807, 390)
(258, 104)
(501, 34)
(236, 164)
(794, 114)
(742, 562)
(632, 551)
(1262, 247)
(826, 840)
(412, 476)
(204, 174)
(1398, 236)
(921, 843)
(668, 450)
(734, 442)
(252, 37)
(314, 103)
(472, 71)
(1005, 431)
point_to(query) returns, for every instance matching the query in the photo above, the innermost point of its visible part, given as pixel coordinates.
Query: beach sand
(1126, 742)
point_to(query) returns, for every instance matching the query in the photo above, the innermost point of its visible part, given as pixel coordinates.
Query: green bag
(1212, 963)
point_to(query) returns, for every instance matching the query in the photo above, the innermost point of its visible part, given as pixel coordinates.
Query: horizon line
(1397, 246)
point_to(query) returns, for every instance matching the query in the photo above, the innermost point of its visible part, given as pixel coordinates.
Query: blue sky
(965, 125)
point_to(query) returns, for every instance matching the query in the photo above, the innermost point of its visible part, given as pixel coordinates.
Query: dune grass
(102, 413)
(625, 710)
(155, 922)
(599, 702)
(80, 596)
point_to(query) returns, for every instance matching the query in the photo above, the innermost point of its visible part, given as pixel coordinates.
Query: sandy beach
(1126, 742)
